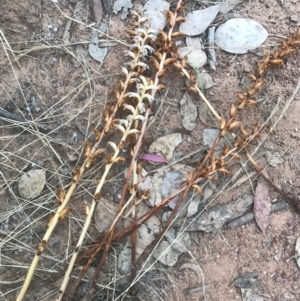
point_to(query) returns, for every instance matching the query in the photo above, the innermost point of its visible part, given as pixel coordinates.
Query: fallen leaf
(171, 183)
(202, 110)
(228, 5)
(195, 42)
(240, 35)
(98, 54)
(167, 181)
(188, 112)
(32, 183)
(155, 11)
(209, 136)
(166, 254)
(213, 219)
(145, 234)
(166, 145)
(193, 207)
(105, 213)
(198, 20)
(196, 57)
(145, 183)
(153, 158)
(252, 288)
(126, 5)
(262, 204)
(274, 159)
(204, 81)
(180, 242)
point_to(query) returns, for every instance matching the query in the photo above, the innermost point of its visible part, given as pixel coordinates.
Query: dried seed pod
(240, 96)
(232, 110)
(225, 149)
(157, 54)
(155, 63)
(50, 219)
(178, 34)
(132, 32)
(242, 104)
(161, 87)
(220, 162)
(41, 247)
(192, 89)
(180, 19)
(251, 102)
(193, 76)
(163, 35)
(198, 189)
(183, 62)
(169, 61)
(222, 123)
(60, 195)
(117, 94)
(234, 125)
(87, 149)
(97, 134)
(76, 174)
(287, 52)
(276, 54)
(162, 72)
(180, 8)
(224, 171)
(235, 155)
(105, 116)
(252, 76)
(213, 162)
(242, 130)
(170, 18)
(64, 212)
(121, 144)
(86, 208)
(266, 57)
(120, 159)
(277, 62)
(97, 196)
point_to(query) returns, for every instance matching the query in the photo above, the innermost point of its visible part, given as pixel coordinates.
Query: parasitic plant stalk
(141, 98)
(141, 50)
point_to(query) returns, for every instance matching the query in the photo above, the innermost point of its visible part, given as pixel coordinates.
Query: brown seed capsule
(41, 247)
(198, 189)
(234, 125)
(170, 18)
(178, 34)
(64, 212)
(232, 109)
(180, 19)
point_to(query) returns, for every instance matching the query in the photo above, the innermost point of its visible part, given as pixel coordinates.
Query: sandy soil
(71, 90)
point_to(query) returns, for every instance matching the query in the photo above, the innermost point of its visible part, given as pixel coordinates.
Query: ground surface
(71, 90)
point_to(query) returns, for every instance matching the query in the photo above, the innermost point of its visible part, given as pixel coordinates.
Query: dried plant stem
(110, 234)
(195, 86)
(141, 96)
(87, 162)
